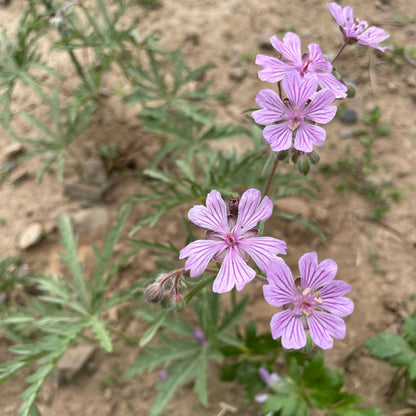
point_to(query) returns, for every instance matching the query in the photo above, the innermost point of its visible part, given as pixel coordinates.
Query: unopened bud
(233, 206)
(177, 302)
(154, 293)
(283, 155)
(350, 91)
(303, 165)
(314, 157)
(165, 302)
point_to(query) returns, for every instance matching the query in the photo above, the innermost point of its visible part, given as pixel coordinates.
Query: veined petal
(298, 89)
(336, 11)
(263, 250)
(316, 275)
(282, 286)
(273, 107)
(322, 326)
(290, 328)
(319, 63)
(335, 289)
(319, 110)
(290, 48)
(327, 80)
(251, 210)
(339, 306)
(279, 136)
(274, 69)
(233, 271)
(372, 36)
(213, 216)
(348, 17)
(199, 254)
(308, 135)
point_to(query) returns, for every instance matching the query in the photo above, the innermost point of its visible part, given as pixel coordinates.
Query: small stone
(11, 151)
(349, 116)
(30, 236)
(91, 218)
(346, 133)
(94, 171)
(74, 359)
(127, 392)
(90, 192)
(393, 86)
(263, 42)
(237, 74)
(17, 177)
(108, 394)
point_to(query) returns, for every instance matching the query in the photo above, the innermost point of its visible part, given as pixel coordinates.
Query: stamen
(306, 292)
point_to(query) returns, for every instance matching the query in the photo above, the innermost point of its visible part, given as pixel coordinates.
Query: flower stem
(269, 180)
(339, 52)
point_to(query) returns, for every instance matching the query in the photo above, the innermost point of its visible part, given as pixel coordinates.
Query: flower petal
(318, 109)
(314, 275)
(200, 253)
(308, 135)
(336, 11)
(322, 325)
(274, 69)
(290, 48)
(318, 62)
(327, 80)
(290, 328)
(338, 306)
(298, 89)
(281, 288)
(213, 216)
(251, 210)
(372, 36)
(233, 271)
(279, 136)
(335, 289)
(273, 107)
(263, 250)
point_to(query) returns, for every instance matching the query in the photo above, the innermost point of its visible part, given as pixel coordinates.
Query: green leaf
(150, 332)
(71, 257)
(100, 330)
(391, 348)
(181, 372)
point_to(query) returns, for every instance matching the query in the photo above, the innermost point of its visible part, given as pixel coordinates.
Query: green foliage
(183, 354)
(398, 351)
(67, 307)
(9, 273)
(309, 384)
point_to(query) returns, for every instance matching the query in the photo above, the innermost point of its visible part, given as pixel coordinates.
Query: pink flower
(295, 117)
(314, 301)
(356, 30)
(231, 239)
(293, 61)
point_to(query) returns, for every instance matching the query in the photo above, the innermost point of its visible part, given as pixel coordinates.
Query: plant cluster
(189, 169)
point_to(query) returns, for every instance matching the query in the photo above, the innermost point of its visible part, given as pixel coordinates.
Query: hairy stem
(270, 178)
(339, 52)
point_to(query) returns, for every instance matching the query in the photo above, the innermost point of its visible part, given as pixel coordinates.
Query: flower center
(306, 302)
(230, 239)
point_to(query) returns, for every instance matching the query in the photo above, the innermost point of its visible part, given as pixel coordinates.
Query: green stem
(270, 178)
(339, 52)
(74, 59)
(126, 338)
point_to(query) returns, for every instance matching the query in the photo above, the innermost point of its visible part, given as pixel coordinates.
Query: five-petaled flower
(293, 61)
(314, 302)
(356, 30)
(295, 117)
(231, 239)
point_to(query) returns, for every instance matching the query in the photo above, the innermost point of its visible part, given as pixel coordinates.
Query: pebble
(94, 171)
(30, 236)
(90, 219)
(237, 74)
(127, 392)
(349, 116)
(11, 151)
(75, 358)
